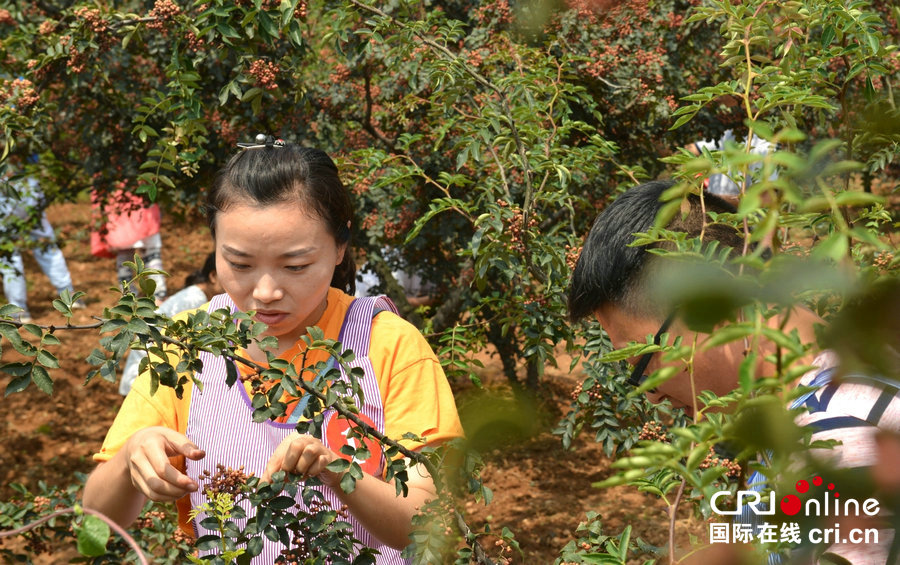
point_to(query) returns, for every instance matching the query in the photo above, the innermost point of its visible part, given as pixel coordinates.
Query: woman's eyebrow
(288, 254)
(233, 251)
(299, 252)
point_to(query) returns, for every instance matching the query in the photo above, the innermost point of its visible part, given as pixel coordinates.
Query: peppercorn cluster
(733, 468)
(224, 480)
(595, 393)
(653, 431)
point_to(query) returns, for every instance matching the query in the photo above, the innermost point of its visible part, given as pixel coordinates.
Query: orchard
(479, 141)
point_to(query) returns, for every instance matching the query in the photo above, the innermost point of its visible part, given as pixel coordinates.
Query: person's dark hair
(610, 271)
(201, 275)
(269, 175)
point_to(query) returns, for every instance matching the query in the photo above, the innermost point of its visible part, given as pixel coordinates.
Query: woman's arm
(385, 515)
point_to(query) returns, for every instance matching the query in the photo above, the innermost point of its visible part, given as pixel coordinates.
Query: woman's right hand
(147, 454)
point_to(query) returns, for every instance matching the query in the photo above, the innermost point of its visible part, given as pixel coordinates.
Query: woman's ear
(342, 240)
(212, 286)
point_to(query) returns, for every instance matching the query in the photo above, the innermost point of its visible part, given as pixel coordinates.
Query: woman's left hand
(303, 455)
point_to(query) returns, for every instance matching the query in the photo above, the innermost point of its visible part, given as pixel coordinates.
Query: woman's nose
(267, 289)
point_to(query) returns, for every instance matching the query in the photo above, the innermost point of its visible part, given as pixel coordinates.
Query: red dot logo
(790, 504)
(802, 486)
(817, 481)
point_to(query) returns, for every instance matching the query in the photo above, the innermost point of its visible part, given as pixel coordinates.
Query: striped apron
(220, 422)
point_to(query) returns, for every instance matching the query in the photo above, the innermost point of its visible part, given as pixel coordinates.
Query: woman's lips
(270, 318)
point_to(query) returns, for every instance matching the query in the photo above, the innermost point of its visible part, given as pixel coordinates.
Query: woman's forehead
(278, 225)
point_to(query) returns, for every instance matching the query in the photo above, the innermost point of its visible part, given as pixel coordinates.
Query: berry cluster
(475, 58)
(146, 520)
(540, 301)
(163, 12)
(22, 91)
(516, 228)
(91, 18)
(654, 431)
(340, 74)
(226, 130)
(506, 550)
(151, 520)
(713, 460)
(595, 393)
(572, 254)
(883, 260)
(47, 27)
(265, 72)
(41, 503)
(498, 11)
(301, 10)
(296, 555)
(224, 480)
(396, 229)
(195, 42)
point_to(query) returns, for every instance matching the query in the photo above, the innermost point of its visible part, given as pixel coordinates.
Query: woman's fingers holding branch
(148, 452)
(302, 455)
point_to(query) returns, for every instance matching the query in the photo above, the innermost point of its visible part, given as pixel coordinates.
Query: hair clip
(262, 140)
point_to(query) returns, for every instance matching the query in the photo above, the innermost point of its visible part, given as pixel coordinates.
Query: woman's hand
(303, 455)
(147, 455)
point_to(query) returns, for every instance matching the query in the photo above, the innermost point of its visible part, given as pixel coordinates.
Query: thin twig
(51, 328)
(673, 510)
(480, 555)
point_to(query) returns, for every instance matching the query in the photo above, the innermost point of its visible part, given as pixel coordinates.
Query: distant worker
(22, 207)
(131, 226)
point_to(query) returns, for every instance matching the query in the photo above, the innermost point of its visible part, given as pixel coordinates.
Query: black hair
(201, 275)
(268, 175)
(610, 270)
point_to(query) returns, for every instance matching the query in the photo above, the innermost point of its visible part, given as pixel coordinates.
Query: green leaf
(18, 384)
(834, 247)
(697, 455)
(853, 198)
(47, 359)
(281, 502)
(682, 120)
(42, 379)
(827, 35)
(348, 483)
(728, 334)
(873, 43)
(747, 372)
(93, 534)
